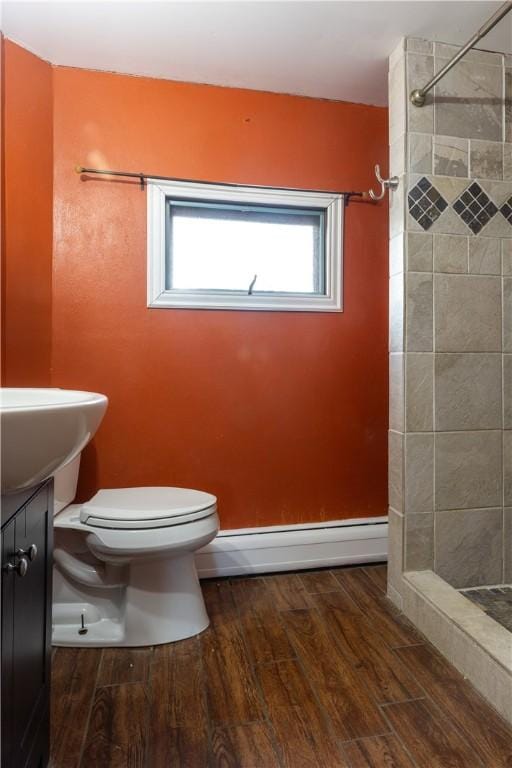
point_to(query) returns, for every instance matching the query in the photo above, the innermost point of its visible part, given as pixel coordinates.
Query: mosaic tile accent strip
(475, 208)
(506, 210)
(426, 204)
(495, 601)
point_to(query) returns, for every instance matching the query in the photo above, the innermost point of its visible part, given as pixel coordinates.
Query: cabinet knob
(21, 567)
(31, 552)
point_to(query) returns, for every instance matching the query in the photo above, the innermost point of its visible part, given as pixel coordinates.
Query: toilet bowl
(124, 571)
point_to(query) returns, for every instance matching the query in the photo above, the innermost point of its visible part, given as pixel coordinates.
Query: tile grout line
(148, 693)
(332, 633)
(400, 741)
(321, 709)
(276, 746)
(441, 714)
(206, 708)
(88, 718)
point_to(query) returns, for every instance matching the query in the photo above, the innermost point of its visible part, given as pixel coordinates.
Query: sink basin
(43, 429)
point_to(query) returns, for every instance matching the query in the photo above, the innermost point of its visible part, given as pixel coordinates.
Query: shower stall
(450, 421)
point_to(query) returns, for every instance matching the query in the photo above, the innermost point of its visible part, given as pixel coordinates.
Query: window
(227, 247)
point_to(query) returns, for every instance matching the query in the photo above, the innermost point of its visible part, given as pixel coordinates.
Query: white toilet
(124, 572)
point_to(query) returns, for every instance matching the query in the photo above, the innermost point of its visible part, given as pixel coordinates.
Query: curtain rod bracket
(418, 97)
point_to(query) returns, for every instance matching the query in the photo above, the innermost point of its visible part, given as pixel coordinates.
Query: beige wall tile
(484, 256)
(507, 314)
(447, 51)
(506, 257)
(419, 252)
(451, 156)
(419, 542)
(396, 313)
(449, 187)
(468, 546)
(468, 469)
(419, 392)
(449, 223)
(460, 109)
(467, 313)
(397, 254)
(508, 105)
(450, 253)
(497, 227)
(507, 537)
(395, 470)
(507, 391)
(418, 311)
(420, 153)
(419, 473)
(420, 69)
(507, 468)
(397, 53)
(396, 89)
(419, 45)
(397, 156)
(507, 162)
(498, 191)
(486, 159)
(395, 548)
(467, 391)
(396, 392)
(397, 208)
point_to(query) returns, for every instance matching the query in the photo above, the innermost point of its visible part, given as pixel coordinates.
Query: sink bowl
(43, 429)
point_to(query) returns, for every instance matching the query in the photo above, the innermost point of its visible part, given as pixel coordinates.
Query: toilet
(124, 571)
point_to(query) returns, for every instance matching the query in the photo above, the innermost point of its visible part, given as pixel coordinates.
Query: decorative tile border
(426, 204)
(473, 206)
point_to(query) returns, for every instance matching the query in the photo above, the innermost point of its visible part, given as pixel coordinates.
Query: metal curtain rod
(143, 177)
(418, 95)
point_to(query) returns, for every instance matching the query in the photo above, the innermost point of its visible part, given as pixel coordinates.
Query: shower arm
(418, 96)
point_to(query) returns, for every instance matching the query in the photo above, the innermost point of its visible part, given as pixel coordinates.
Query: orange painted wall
(282, 415)
(27, 128)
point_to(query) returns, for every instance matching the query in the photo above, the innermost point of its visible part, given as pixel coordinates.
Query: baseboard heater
(294, 547)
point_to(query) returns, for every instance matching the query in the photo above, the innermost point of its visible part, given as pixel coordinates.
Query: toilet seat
(148, 507)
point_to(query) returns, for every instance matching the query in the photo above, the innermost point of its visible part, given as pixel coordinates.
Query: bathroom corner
(450, 457)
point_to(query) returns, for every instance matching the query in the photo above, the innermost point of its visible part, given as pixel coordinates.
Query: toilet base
(164, 603)
(160, 604)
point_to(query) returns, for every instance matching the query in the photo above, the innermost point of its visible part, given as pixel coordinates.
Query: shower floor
(495, 601)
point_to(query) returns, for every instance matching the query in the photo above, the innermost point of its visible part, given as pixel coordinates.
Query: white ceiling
(329, 49)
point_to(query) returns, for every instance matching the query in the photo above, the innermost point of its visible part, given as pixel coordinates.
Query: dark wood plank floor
(309, 670)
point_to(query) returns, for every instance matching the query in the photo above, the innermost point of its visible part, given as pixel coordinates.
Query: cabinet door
(8, 577)
(27, 699)
(32, 624)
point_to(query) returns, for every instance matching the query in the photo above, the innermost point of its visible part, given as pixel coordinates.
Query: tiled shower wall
(450, 438)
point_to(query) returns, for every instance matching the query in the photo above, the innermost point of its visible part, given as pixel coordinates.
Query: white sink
(42, 429)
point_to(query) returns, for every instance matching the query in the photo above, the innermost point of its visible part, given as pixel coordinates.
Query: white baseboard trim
(294, 547)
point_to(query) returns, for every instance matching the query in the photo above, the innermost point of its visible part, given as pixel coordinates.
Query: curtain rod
(143, 178)
(418, 95)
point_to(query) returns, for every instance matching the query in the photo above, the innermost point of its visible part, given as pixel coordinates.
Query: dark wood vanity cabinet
(26, 627)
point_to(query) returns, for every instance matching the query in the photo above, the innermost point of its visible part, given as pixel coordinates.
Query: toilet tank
(65, 483)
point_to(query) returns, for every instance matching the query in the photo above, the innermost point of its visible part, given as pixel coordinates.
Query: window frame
(158, 296)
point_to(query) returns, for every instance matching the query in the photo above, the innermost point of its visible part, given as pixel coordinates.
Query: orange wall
(26, 218)
(282, 415)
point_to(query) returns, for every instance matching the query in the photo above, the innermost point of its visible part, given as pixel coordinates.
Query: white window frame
(158, 296)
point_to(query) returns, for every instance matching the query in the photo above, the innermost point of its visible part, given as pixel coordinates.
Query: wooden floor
(310, 670)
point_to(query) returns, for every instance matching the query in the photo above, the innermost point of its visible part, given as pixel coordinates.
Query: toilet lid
(146, 507)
